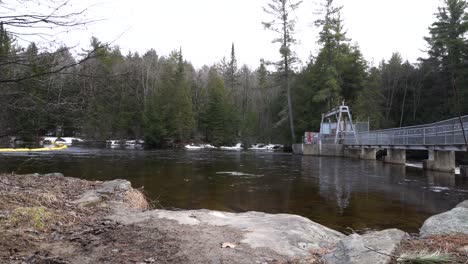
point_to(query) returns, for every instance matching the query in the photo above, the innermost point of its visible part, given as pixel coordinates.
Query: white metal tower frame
(341, 114)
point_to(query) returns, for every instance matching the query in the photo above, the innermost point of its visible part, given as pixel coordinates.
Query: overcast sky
(205, 29)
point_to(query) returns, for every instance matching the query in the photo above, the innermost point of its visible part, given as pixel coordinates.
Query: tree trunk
(286, 73)
(403, 103)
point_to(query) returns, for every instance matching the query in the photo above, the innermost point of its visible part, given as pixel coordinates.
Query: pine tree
(339, 68)
(154, 128)
(217, 117)
(369, 100)
(182, 118)
(448, 52)
(231, 74)
(284, 25)
(331, 38)
(5, 43)
(176, 104)
(265, 96)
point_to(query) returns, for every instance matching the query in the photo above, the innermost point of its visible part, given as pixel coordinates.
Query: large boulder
(287, 235)
(93, 197)
(451, 222)
(463, 204)
(88, 198)
(115, 185)
(371, 248)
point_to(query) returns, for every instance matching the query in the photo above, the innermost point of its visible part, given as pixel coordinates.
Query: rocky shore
(55, 219)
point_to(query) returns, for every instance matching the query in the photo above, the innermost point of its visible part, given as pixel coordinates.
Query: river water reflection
(343, 194)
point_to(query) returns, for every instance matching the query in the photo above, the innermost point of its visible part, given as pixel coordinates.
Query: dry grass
(37, 218)
(444, 243)
(425, 257)
(136, 199)
(29, 202)
(47, 198)
(434, 249)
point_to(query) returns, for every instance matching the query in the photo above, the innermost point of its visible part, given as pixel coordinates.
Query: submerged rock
(286, 235)
(451, 222)
(371, 248)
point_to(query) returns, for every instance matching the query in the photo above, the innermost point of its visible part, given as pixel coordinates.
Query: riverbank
(55, 219)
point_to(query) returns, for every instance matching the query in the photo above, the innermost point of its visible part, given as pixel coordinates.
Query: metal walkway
(443, 135)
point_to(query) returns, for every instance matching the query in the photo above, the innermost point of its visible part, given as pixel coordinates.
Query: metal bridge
(343, 138)
(444, 135)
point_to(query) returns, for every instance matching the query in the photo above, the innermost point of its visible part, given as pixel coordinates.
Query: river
(344, 194)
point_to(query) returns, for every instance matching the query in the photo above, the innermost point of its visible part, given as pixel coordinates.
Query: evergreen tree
(283, 24)
(337, 73)
(368, 105)
(100, 109)
(249, 104)
(392, 82)
(155, 132)
(448, 52)
(231, 74)
(218, 117)
(265, 95)
(182, 118)
(5, 43)
(330, 37)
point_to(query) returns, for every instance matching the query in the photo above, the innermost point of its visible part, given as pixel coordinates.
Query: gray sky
(205, 29)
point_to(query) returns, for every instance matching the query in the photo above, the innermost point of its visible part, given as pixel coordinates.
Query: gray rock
(96, 196)
(372, 248)
(115, 185)
(453, 221)
(88, 198)
(463, 204)
(284, 234)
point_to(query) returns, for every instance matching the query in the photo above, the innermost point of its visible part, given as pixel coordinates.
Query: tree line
(104, 94)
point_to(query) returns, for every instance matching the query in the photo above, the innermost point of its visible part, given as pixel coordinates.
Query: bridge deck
(443, 135)
(413, 147)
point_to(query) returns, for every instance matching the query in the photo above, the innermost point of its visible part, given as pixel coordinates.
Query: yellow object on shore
(57, 147)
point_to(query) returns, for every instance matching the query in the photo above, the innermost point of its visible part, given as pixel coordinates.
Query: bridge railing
(447, 132)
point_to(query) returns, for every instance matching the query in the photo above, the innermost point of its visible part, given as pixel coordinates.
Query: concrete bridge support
(369, 153)
(361, 153)
(464, 171)
(352, 153)
(443, 161)
(396, 156)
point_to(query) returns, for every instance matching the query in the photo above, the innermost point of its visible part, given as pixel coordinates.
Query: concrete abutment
(395, 156)
(439, 160)
(369, 153)
(352, 153)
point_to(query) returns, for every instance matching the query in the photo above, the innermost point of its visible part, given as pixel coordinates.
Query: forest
(162, 98)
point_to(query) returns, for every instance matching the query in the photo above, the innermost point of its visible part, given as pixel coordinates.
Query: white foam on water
(237, 173)
(439, 189)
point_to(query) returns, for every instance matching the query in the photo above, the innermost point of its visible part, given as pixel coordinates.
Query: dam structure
(340, 137)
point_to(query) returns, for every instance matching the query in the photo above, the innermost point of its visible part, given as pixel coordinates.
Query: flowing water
(343, 194)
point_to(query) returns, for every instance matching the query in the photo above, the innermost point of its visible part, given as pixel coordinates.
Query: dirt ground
(40, 224)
